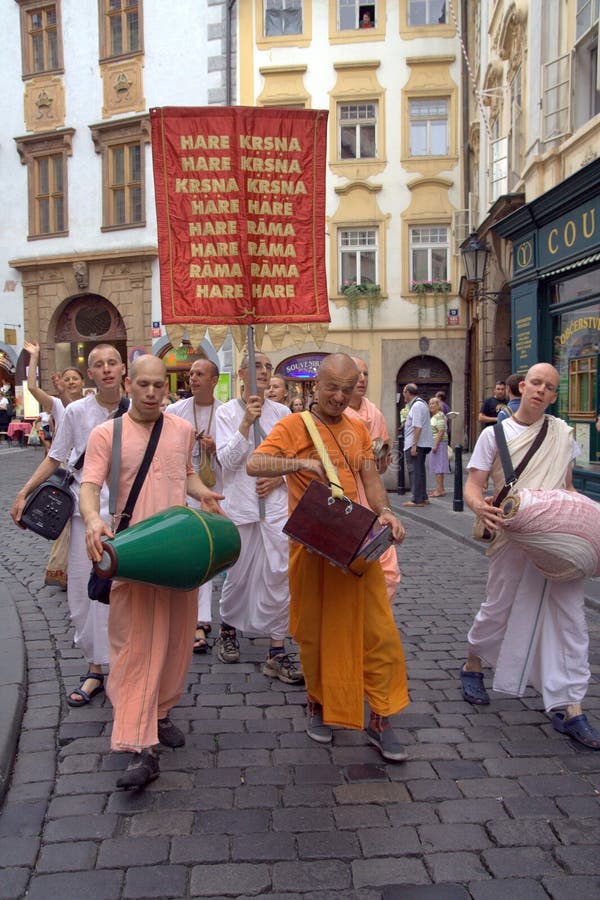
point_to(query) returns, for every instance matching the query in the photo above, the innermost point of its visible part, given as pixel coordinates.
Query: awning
(579, 264)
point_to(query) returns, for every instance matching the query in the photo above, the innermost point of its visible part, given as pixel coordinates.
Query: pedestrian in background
(438, 458)
(418, 441)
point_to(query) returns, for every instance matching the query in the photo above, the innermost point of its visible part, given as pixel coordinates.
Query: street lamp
(475, 258)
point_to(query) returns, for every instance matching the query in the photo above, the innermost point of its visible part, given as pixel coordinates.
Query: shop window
(429, 255)
(583, 375)
(46, 159)
(357, 130)
(120, 28)
(357, 257)
(121, 146)
(282, 17)
(352, 14)
(40, 37)
(428, 126)
(426, 12)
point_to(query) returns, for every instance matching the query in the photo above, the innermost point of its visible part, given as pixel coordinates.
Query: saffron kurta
(349, 643)
(150, 629)
(377, 428)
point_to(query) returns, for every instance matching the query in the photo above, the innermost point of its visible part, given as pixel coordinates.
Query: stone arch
(82, 322)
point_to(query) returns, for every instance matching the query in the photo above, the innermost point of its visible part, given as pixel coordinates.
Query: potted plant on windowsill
(430, 287)
(355, 293)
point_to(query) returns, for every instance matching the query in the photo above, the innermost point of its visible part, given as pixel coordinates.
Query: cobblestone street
(491, 804)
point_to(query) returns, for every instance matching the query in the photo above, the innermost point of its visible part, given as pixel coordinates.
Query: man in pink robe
(150, 629)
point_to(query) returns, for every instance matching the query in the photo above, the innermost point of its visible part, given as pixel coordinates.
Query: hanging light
(474, 255)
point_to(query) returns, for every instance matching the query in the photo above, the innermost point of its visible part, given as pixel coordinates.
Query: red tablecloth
(16, 428)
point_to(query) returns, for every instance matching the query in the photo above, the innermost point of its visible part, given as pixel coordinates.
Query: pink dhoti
(151, 633)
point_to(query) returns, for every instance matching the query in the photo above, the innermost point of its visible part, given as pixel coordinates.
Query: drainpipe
(228, 52)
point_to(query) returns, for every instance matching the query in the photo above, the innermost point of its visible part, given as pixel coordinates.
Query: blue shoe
(578, 728)
(473, 689)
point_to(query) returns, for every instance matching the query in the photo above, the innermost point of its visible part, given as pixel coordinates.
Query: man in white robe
(200, 411)
(531, 629)
(255, 597)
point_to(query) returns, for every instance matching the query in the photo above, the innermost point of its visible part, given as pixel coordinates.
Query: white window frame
(361, 120)
(556, 97)
(282, 6)
(353, 10)
(586, 16)
(358, 255)
(427, 237)
(428, 119)
(428, 13)
(516, 156)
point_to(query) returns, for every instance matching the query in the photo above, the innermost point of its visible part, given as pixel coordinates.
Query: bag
(99, 588)
(341, 530)
(49, 508)
(205, 471)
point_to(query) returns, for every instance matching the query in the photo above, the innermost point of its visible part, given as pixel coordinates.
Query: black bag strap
(119, 411)
(141, 475)
(511, 475)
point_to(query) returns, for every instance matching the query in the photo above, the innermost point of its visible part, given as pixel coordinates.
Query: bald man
(150, 629)
(532, 630)
(349, 643)
(360, 407)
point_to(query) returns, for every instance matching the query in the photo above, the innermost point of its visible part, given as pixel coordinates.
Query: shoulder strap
(115, 466)
(119, 411)
(330, 470)
(141, 475)
(512, 475)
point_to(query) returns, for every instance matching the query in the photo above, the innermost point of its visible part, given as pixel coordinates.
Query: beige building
(533, 89)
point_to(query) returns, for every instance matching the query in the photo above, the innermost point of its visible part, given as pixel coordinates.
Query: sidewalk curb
(13, 681)
(463, 536)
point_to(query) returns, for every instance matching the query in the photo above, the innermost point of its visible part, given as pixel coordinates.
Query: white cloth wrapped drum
(559, 530)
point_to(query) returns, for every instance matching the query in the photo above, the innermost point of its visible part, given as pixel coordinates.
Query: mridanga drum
(179, 548)
(559, 530)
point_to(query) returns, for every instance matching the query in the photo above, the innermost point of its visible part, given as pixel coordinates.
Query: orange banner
(240, 201)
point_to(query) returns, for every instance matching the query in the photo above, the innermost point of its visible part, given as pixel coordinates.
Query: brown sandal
(200, 643)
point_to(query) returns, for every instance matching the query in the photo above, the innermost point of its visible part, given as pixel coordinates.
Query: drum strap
(511, 475)
(139, 478)
(330, 470)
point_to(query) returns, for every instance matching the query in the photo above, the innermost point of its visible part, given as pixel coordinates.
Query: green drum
(179, 548)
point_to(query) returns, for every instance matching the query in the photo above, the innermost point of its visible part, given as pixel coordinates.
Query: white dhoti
(89, 617)
(533, 631)
(256, 595)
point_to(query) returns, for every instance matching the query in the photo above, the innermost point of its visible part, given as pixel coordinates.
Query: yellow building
(395, 215)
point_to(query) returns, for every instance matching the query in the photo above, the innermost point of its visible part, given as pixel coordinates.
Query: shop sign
(524, 255)
(524, 328)
(182, 357)
(304, 366)
(574, 233)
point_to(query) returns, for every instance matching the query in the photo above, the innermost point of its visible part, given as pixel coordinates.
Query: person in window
(365, 22)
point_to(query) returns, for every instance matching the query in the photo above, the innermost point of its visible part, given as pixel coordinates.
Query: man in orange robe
(349, 643)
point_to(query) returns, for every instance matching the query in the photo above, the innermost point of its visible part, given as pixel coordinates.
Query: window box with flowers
(360, 296)
(430, 287)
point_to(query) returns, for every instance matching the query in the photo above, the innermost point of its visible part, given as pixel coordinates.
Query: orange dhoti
(151, 633)
(349, 644)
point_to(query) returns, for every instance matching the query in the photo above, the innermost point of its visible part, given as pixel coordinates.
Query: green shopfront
(555, 296)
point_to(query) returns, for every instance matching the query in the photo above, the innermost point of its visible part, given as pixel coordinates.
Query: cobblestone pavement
(492, 803)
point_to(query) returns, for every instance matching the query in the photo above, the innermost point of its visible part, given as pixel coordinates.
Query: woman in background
(438, 458)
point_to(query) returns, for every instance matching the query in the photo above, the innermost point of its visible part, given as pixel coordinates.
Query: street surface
(492, 803)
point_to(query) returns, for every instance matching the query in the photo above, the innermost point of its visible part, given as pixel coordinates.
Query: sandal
(83, 698)
(578, 728)
(200, 642)
(473, 690)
